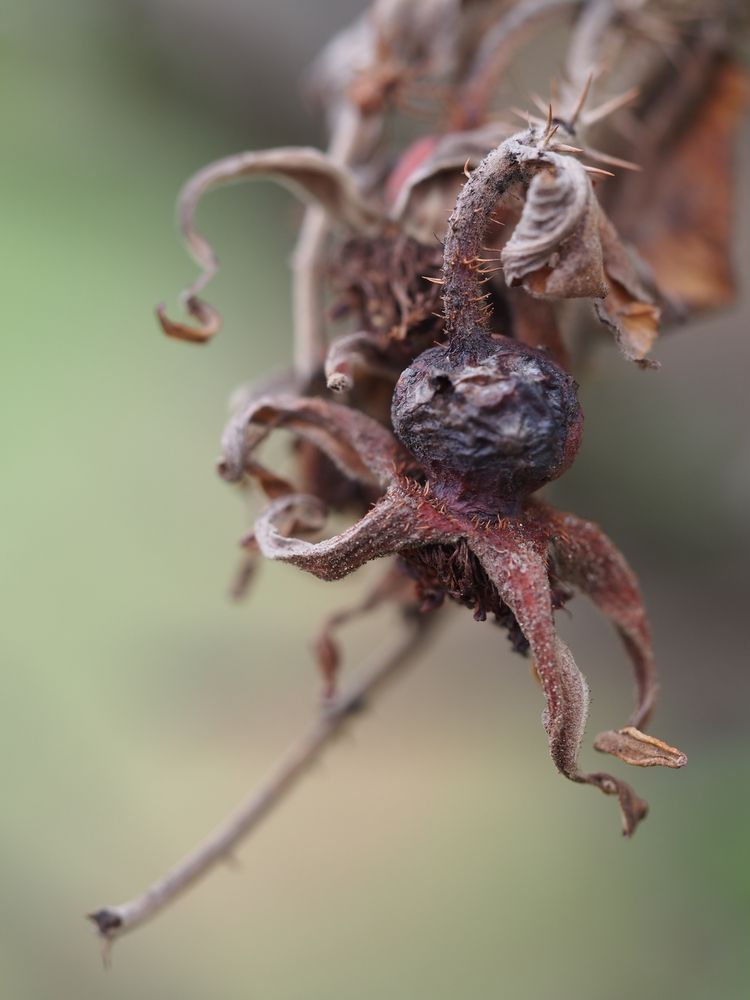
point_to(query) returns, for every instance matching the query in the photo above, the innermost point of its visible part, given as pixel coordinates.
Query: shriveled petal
(639, 749)
(555, 249)
(359, 446)
(310, 174)
(585, 557)
(390, 526)
(425, 183)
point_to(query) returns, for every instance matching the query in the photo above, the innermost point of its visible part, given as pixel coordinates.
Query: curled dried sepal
(567, 708)
(207, 319)
(582, 555)
(361, 448)
(310, 174)
(389, 527)
(519, 572)
(639, 749)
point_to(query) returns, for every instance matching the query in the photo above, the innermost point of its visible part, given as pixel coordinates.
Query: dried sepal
(389, 527)
(360, 447)
(563, 246)
(639, 749)
(308, 173)
(519, 572)
(582, 555)
(632, 808)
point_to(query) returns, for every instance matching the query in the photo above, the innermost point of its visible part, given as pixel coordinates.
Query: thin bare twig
(114, 921)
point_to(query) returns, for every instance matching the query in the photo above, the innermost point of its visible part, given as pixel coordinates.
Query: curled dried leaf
(639, 749)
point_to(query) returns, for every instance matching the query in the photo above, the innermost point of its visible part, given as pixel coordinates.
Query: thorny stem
(463, 298)
(114, 921)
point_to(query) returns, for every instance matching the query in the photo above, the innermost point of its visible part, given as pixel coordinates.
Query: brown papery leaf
(639, 749)
(686, 207)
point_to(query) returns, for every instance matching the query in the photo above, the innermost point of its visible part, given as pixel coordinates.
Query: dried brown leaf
(686, 199)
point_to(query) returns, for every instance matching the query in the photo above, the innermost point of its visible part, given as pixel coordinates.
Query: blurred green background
(435, 853)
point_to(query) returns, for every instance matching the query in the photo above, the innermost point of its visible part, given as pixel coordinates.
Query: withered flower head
(484, 422)
(455, 361)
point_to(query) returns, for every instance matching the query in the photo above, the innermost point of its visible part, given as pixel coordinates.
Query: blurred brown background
(436, 853)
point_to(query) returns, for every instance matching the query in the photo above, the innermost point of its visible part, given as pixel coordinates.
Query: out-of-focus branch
(310, 340)
(114, 921)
